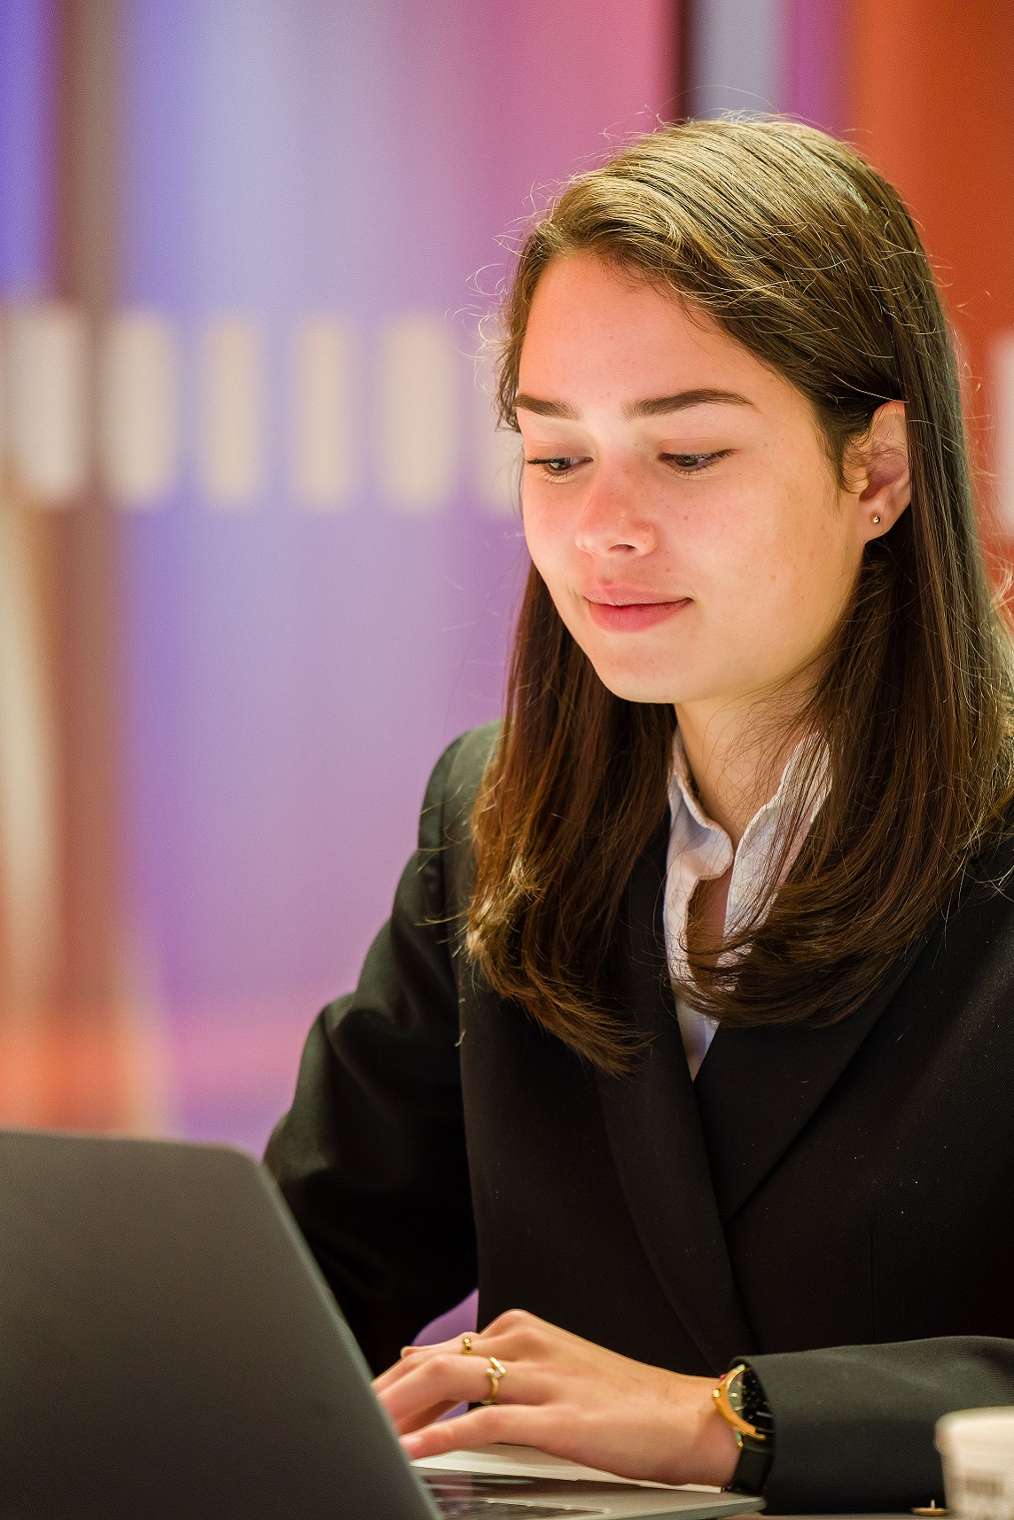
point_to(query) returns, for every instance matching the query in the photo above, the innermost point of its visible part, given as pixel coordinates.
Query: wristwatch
(739, 1399)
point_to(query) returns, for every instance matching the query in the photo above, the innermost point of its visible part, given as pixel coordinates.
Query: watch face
(746, 1397)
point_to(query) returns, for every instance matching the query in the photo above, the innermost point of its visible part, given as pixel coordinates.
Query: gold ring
(495, 1370)
(466, 1344)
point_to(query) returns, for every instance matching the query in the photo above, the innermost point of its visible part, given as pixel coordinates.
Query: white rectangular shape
(231, 412)
(321, 434)
(417, 414)
(138, 413)
(47, 402)
(1003, 391)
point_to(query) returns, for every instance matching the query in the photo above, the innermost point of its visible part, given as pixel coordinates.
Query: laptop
(169, 1348)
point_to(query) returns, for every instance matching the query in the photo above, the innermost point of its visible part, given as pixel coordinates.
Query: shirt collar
(681, 786)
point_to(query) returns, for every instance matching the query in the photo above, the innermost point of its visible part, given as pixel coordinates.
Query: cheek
(807, 581)
(545, 554)
(532, 530)
(545, 541)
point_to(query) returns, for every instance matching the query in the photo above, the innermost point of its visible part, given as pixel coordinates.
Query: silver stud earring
(876, 517)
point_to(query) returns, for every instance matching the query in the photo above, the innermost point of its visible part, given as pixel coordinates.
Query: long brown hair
(798, 249)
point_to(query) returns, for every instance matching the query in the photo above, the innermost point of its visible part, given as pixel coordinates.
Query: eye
(560, 467)
(547, 466)
(701, 461)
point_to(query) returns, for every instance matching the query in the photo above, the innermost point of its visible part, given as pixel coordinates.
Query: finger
(519, 1424)
(519, 1333)
(410, 1355)
(392, 1374)
(450, 1380)
(442, 1381)
(428, 1416)
(456, 1343)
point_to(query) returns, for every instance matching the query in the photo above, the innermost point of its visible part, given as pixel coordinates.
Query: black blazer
(847, 1187)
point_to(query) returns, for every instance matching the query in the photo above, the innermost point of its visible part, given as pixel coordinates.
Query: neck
(735, 766)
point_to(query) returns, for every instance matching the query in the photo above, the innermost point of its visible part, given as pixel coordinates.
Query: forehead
(595, 331)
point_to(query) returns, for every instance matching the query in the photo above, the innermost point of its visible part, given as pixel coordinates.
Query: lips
(629, 596)
(631, 617)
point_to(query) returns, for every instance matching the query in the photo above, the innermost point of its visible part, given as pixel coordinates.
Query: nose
(614, 520)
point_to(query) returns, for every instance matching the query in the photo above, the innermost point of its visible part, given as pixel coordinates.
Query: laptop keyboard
(506, 1509)
(471, 1496)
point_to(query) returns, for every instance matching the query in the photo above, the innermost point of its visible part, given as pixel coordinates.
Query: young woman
(691, 1035)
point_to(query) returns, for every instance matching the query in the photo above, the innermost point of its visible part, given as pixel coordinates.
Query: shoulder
(469, 755)
(967, 949)
(454, 779)
(988, 877)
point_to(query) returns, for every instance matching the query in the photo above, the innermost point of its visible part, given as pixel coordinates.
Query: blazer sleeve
(371, 1156)
(854, 1425)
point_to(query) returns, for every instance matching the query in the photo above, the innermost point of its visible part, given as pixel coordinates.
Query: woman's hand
(564, 1395)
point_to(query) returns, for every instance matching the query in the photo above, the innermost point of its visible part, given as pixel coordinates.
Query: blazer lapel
(655, 1131)
(757, 1087)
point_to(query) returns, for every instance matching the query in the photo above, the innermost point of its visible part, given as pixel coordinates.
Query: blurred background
(259, 552)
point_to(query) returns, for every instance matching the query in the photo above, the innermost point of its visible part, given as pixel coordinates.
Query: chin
(633, 686)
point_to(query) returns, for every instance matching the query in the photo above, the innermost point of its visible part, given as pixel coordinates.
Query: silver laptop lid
(168, 1347)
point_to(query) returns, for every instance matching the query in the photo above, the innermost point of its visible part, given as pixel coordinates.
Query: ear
(883, 484)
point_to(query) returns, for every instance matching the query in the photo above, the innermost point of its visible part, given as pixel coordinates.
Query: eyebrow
(651, 406)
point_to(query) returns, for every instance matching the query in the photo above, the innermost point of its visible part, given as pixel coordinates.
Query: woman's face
(725, 510)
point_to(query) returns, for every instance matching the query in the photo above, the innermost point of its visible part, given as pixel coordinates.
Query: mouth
(630, 617)
(624, 597)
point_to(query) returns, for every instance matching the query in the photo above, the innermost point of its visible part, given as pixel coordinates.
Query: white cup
(976, 1448)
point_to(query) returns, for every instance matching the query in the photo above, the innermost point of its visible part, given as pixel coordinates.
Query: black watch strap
(752, 1468)
(756, 1442)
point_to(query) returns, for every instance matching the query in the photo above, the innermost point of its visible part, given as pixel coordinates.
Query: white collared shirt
(701, 850)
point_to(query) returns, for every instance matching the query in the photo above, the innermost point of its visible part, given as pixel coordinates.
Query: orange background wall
(932, 96)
